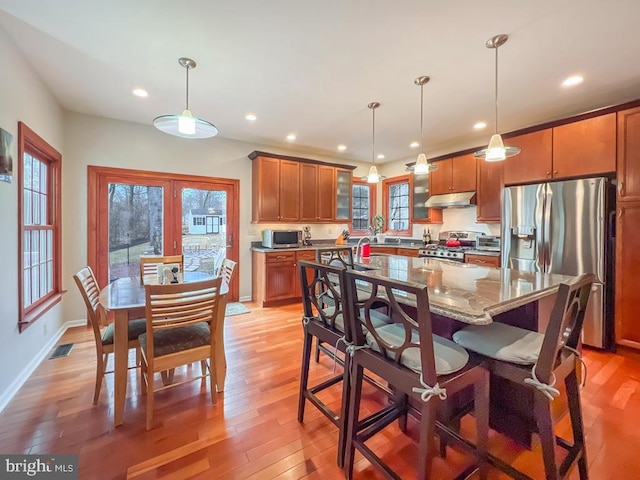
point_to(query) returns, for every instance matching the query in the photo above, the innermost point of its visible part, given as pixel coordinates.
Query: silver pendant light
(373, 176)
(185, 125)
(496, 151)
(422, 167)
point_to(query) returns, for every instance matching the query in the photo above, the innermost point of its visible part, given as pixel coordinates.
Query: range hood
(459, 200)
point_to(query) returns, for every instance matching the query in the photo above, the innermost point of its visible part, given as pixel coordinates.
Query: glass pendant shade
(373, 176)
(421, 167)
(185, 125)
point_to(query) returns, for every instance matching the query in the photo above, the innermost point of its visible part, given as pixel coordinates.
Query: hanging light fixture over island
(496, 151)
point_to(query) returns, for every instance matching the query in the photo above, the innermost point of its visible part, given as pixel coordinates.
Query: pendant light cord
(187, 95)
(496, 91)
(373, 138)
(421, 116)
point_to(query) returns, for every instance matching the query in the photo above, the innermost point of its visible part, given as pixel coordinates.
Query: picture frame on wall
(6, 162)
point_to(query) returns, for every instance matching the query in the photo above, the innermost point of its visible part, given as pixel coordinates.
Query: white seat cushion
(377, 318)
(449, 357)
(502, 342)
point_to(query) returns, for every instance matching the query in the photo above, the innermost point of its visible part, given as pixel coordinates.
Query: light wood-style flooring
(253, 432)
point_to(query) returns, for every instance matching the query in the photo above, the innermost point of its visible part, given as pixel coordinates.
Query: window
(198, 221)
(396, 205)
(39, 242)
(363, 196)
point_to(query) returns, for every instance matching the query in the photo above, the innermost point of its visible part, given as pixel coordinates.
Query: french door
(134, 213)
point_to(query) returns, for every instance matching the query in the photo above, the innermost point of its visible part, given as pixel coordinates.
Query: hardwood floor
(253, 433)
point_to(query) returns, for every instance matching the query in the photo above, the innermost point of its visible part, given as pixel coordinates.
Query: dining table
(125, 297)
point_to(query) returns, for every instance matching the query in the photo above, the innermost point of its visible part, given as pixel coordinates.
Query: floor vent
(62, 351)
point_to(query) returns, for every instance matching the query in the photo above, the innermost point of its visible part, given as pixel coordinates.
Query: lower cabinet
(386, 250)
(407, 252)
(483, 260)
(276, 278)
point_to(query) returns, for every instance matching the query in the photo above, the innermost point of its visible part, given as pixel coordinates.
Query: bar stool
(537, 361)
(421, 367)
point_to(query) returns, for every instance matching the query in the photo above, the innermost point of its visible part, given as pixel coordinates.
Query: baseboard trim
(20, 380)
(245, 299)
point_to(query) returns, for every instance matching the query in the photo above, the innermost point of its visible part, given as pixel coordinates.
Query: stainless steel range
(451, 245)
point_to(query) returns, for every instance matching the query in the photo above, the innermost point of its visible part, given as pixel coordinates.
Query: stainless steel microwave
(281, 238)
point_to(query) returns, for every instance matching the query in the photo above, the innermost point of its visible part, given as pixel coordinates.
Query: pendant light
(373, 176)
(422, 167)
(185, 125)
(496, 151)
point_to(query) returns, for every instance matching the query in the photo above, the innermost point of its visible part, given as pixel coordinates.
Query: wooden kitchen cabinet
(627, 293)
(316, 192)
(419, 186)
(386, 250)
(407, 252)
(457, 174)
(533, 163)
(276, 278)
(291, 189)
(629, 155)
(344, 185)
(482, 260)
(489, 193)
(586, 147)
(289, 180)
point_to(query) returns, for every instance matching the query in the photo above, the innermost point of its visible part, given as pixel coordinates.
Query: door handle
(621, 189)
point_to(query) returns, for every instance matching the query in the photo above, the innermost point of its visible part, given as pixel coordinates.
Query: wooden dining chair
(227, 268)
(149, 265)
(536, 362)
(425, 372)
(88, 286)
(180, 323)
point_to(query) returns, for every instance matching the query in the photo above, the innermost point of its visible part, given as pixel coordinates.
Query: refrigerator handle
(612, 224)
(546, 228)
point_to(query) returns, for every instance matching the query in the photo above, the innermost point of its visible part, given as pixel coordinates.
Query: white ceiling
(312, 67)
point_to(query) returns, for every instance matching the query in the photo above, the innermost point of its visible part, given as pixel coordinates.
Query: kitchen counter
(488, 253)
(465, 292)
(411, 245)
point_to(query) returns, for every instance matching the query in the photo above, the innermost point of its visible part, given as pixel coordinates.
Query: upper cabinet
(489, 193)
(419, 185)
(586, 147)
(582, 148)
(533, 163)
(289, 189)
(629, 155)
(343, 194)
(457, 174)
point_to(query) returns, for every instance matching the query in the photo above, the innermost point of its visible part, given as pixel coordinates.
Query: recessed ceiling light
(414, 144)
(342, 148)
(571, 81)
(140, 92)
(251, 117)
(291, 137)
(479, 125)
(380, 156)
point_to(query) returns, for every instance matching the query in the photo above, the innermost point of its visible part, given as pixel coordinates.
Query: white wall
(23, 97)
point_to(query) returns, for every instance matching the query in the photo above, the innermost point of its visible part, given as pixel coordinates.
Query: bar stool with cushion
(325, 322)
(537, 362)
(180, 321)
(88, 286)
(423, 370)
(149, 265)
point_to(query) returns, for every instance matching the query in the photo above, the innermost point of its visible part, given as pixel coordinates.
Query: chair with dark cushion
(424, 372)
(180, 321)
(88, 286)
(537, 362)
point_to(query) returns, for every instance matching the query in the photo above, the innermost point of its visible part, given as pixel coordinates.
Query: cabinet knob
(548, 173)
(621, 188)
(555, 172)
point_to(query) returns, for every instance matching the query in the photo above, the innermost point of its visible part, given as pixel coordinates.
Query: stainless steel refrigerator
(567, 228)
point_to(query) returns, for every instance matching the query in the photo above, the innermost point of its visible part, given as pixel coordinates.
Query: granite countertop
(488, 253)
(469, 293)
(411, 244)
